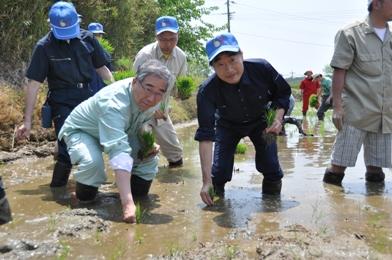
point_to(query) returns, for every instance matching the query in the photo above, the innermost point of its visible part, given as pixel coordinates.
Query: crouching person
(111, 122)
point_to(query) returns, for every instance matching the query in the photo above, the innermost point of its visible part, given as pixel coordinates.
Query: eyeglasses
(171, 39)
(150, 92)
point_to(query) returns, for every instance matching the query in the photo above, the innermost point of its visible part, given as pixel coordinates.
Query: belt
(79, 85)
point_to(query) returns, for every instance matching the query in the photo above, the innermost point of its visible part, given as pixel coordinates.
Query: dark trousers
(139, 187)
(226, 140)
(62, 102)
(323, 108)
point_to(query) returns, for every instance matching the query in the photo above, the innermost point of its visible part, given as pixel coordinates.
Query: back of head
(156, 68)
(166, 24)
(64, 21)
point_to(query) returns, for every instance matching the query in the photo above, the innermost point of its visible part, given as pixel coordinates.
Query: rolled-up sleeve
(344, 52)
(205, 115)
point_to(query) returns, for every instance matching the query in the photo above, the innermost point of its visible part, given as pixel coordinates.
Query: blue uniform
(227, 113)
(97, 83)
(68, 68)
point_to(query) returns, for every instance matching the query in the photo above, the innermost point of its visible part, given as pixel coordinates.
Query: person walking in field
(308, 87)
(362, 95)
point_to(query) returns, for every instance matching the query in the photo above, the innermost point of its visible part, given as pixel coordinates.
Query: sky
(293, 35)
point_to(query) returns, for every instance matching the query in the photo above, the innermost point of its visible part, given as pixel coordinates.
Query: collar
(369, 28)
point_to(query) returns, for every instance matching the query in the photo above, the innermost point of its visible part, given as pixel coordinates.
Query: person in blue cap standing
(231, 104)
(67, 58)
(97, 83)
(165, 50)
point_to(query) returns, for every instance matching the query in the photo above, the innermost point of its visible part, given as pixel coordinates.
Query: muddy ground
(309, 221)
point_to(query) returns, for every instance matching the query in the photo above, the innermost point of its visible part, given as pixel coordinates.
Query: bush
(106, 45)
(185, 86)
(123, 63)
(123, 74)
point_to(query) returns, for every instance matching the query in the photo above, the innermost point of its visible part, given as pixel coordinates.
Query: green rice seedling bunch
(270, 117)
(313, 101)
(185, 86)
(241, 148)
(147, 141)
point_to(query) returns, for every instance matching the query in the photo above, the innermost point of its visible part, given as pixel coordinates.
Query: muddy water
(174, 220)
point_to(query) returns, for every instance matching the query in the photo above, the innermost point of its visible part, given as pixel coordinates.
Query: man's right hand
(337, 117)
(23, 132)
(129, 212)
(205, 194)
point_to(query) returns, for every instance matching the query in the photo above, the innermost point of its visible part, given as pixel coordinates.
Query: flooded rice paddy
(309, 220)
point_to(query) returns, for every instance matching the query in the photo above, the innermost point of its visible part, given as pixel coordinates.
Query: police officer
(97, 83)
(231, 105)
(67, 57)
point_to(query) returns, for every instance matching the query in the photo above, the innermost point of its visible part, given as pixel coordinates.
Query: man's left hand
(275, 128)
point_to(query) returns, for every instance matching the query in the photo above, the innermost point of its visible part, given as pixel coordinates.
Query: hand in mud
(129, 212)
(205, 194)
(275, 128)
(23, 132)
(159, 114)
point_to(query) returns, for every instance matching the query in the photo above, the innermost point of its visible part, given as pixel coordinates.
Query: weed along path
(309, 220)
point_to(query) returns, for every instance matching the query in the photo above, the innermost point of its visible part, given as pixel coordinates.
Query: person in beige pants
(165, 49)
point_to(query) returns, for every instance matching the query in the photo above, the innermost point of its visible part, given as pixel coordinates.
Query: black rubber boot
(333, 178)
(219, 189)
(375, 176)
(272, 187)
(85, 193)
(5, 210)
(61, 173)
(176, 164)
(139, 186)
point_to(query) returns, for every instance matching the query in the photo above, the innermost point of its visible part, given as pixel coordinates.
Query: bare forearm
(205, 152)
(31, 92)
(105, 74)
(338, 79)
(123, 180)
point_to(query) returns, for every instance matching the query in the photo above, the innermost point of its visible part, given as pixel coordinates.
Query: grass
(147, 141)
(270, 117)
(185, 86)
(123, 74)
(231, 251)
(139, 213)
(64, 251)
(241, 148)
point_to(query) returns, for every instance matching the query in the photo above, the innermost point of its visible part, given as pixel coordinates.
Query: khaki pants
(166, 137)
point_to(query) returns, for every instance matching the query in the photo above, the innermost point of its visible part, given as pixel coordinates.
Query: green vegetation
(313, 101)
(185, 86)
(211, 192)
(64, 251)
(139, 213)
(241, 148)
(106, 45)
(123, 74)
(147, 141)
(270, 117)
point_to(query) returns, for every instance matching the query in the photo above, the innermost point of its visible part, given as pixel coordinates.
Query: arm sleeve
(39, 64)
(122, 161)
(205, 116)
(140, 59)
(98, 56)
(344, 52)
(279, 89)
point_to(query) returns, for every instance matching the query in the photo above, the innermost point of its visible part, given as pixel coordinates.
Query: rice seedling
(270, 117)
(241, 148)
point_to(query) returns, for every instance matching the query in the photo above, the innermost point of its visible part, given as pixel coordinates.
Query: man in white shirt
(165, 49)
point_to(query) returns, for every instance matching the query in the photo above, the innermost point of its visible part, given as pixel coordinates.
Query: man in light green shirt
(111, 121)
(362, 95)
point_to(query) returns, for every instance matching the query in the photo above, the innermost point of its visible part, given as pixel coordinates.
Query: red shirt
(309, 86)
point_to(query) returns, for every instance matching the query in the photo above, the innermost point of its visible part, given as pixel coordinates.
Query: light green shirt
(112, 116)
(367, 93)
(326, 84)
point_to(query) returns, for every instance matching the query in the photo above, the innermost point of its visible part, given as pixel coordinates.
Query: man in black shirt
(67, 57)
(231, 104)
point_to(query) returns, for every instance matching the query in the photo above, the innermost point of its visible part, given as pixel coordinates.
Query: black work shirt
(66, 64)
(243, 104)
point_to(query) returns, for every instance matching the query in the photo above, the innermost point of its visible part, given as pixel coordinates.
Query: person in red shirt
(308, 87)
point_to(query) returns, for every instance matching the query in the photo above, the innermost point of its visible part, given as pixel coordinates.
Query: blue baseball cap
(64, 21)
(95, 28)
(221, 43)
(166, 24)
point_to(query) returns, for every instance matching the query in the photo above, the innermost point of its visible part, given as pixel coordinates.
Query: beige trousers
(166, 137)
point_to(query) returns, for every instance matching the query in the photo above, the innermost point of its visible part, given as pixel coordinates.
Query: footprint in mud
(26, 249)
